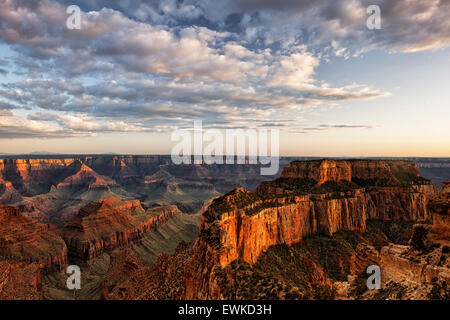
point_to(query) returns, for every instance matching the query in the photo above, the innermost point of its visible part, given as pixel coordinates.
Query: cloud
(407, 26)
(5, 105)
(346, 126)
(139, 66)
(295, 71)
(324, 127)
(83, 123)
(13, 126)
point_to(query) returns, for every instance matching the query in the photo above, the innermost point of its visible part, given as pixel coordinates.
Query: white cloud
(295, 71)
(121, 74)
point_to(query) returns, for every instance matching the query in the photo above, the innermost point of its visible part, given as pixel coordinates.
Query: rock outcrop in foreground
(20, 281)
(28, 249)
(25, 241)
(111, 223)
(322, 196)
(420, 270)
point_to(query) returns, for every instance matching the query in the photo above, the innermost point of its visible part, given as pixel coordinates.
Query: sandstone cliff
(420, 270)
(24, 240)
(310, 197)
(20, 281)
(389, 172)
(440, 208)
(53, 189)
(111, 223)
(80, 175)
(33, 176)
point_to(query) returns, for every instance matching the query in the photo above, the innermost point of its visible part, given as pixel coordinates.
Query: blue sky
(137, 71)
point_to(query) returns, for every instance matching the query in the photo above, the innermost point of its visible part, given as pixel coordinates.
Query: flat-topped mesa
(392, 172)
(23, 240)
(389, 171)
(334, 195)
(295, 205)
(340, 177)
(110, 223)
(319, 170)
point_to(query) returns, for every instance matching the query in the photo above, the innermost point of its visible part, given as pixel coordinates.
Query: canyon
(310, 197)
(110, 223)
(27, 249)
(53, 189)
(142, 228)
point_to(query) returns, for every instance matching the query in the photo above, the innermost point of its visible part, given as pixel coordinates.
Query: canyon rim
(225, 159)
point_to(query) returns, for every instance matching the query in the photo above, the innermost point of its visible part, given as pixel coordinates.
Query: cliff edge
(320, 196)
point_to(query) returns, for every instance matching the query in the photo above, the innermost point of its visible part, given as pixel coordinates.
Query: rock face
(310, 197)
(111, 223)
(80, 175)
(24, 240)
(400, 263)
(413, 274)
(321, 171)
(440, 208)
(53, 189)
(129, 279)
(420, 270)
(20, 281)
(33, 176)
(441, 204)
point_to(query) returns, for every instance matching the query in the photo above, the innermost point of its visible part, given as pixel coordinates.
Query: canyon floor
(142, 228)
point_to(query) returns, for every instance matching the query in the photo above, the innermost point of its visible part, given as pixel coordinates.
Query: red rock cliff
(345, 170)
(440, 209)
(24, 240)
(111, 223)
(320, 170)
(242, 224)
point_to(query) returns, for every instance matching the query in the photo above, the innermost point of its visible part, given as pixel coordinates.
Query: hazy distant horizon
(49, 154)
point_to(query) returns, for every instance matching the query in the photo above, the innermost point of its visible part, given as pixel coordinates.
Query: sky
(136, 71)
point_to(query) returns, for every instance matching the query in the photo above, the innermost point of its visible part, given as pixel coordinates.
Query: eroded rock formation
(310, 197)
(440, 208)
(20, 281)
(53, 189)
(23, 240)
(110, 223)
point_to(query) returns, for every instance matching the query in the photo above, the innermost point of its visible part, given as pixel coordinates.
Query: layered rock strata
(440, 209)
(23, 240)
(111, 223)
(310, 197)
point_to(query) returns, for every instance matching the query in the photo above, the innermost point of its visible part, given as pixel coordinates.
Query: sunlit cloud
(140, 66)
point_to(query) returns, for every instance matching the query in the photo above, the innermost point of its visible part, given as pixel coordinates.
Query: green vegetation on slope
(300, 271)
(306, 270)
